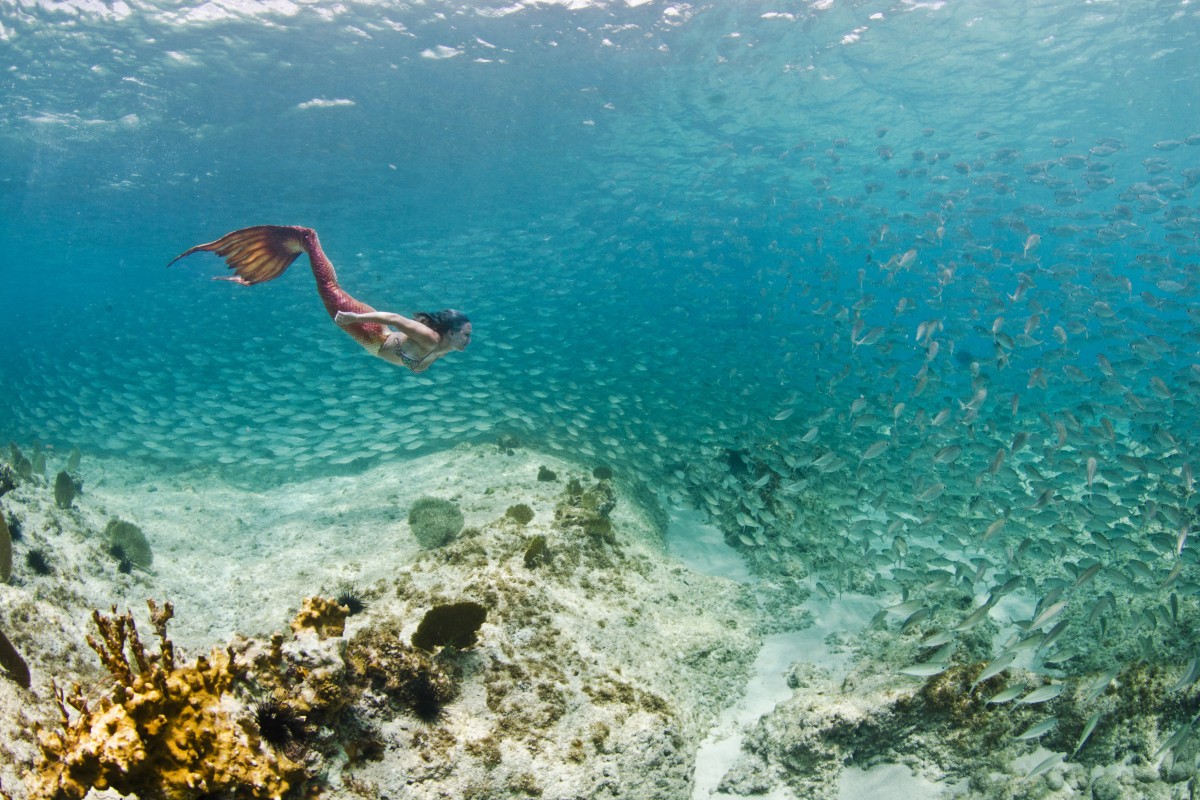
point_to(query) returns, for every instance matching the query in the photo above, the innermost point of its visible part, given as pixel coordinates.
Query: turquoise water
(665, 220)
(884, 287)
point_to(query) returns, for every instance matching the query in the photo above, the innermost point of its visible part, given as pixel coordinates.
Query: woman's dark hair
(442, 322)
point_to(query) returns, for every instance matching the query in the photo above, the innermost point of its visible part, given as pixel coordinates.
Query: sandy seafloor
(695, 656)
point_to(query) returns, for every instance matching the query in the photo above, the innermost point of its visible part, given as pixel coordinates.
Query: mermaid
(263, 252)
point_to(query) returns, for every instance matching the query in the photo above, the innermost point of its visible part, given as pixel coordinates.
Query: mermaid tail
(263, 252)
(256, 254)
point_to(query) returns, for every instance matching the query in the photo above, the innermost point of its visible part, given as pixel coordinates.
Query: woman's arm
(409, 327)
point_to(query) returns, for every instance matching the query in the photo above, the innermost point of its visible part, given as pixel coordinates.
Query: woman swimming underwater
(263, 252)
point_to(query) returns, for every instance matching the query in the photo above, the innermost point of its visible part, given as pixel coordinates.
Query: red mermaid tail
(263, 252)
(256, 254)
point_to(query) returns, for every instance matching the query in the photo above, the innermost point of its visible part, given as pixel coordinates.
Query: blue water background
(644, 209)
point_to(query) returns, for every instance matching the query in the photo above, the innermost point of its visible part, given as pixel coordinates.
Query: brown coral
(323, 615)
(12, 663)
(64, 490)
(450, 625)
(6, 550)
(161, 733)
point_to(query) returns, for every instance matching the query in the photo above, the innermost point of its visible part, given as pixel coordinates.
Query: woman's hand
(345, 318)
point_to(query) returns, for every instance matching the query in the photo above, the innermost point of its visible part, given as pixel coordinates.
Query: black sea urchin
(124, 564)
(428, 695)
(352, 599)
(278, 724)
(37, 561)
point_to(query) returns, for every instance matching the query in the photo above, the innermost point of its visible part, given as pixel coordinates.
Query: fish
(974, 618)
(1038, 730)
(1088, 574)
(1044, 693)
(1045, 765)
(994, 668)
(1005, 696)
(1176, 740)
(1088, 727)
(1189, 676)
(1046, 615)
(875, 450)
(926, 669)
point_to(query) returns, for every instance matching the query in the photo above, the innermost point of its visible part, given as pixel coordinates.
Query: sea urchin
(278, 724)
(352, 599)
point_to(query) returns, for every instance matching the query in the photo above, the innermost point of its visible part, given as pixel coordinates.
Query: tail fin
(256, 254)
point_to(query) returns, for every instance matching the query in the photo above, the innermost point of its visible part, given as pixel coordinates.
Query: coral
(12, 662)
(520, 513)
(409, 678)
(64, 490)
(454, 625)
(22, 465)
(8, 479)
(162, 732)
(6, 551)
(602, 473)
(131, 540)
(434, 521)
(545, 474)
(324, 616)
(536, 553)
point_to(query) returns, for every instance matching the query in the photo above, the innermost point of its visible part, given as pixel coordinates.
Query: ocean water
(891, 292)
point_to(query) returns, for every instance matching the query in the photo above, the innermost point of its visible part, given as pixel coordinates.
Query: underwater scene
(824, 427)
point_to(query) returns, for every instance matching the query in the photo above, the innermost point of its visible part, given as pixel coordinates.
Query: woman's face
(460, 337)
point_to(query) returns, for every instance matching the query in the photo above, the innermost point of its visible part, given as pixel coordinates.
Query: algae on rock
(536, 552)
(521, 513)
(408, 677)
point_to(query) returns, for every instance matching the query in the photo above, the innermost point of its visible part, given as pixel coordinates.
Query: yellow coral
(161, 733)
(322, 615)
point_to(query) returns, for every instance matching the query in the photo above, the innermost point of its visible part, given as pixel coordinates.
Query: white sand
(892, 782)
(702, 547)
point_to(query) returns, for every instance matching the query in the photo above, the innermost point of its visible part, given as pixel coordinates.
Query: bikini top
(409, 361)
(406, 359)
